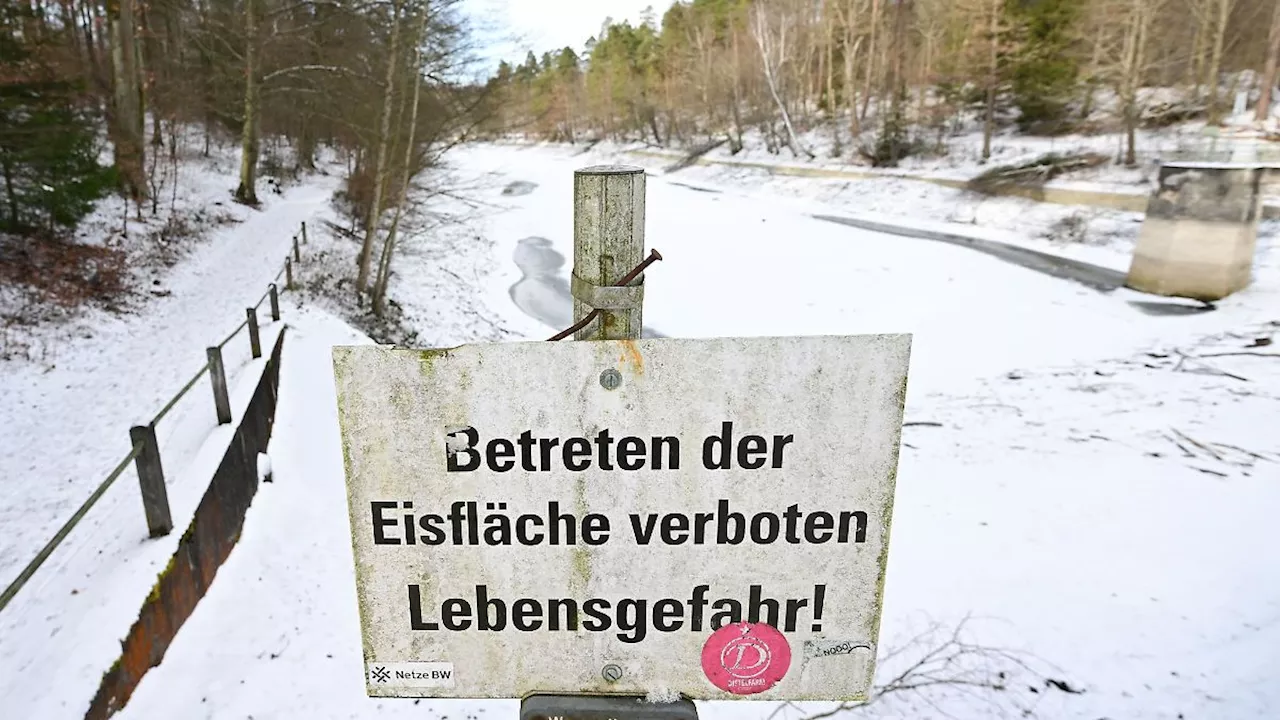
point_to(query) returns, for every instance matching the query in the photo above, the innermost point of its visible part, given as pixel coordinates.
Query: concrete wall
(1198, 238)
(208, 541)
(1130, 202)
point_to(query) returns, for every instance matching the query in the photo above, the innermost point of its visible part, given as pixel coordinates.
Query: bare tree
(380, 168)
(1268, 79)
(1214, 15)
(406, 173)
(1132, 67)
(247, 191)
(994, 9)
(772, 44)
(127, 110)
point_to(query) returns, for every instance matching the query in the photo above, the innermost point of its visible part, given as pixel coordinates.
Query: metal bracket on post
(255, 344)
(218, 377)
(275, 303)
(607, 297)
(155, 498)
(608, 241)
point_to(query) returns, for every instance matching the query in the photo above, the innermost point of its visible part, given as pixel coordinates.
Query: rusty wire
(12, 589)
(67, 527)
(654, 256)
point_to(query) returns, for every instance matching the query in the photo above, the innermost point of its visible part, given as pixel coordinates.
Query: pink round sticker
(746, 658)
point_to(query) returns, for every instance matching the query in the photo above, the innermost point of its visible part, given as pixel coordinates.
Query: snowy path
(67, 422)
(1058, 501)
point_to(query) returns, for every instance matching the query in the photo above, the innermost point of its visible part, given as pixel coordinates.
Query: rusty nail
(654, 256)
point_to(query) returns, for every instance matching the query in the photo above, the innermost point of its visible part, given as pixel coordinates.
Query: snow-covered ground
(68, 409)
(70, 390)
(1085, 495)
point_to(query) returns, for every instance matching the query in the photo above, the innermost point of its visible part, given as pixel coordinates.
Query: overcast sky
(514, 27)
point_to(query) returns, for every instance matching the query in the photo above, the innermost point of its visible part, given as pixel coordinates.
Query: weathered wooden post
(275, 303)
(608, 241)
(288, 273)
(255, 346)
(304, 232)
(155, 498)
(297, 256)
(218, 377)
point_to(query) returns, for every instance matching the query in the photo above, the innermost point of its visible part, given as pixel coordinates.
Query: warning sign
(703, 517)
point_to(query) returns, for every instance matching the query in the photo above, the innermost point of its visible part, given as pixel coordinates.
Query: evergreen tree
(1045, 68)
(48, 146)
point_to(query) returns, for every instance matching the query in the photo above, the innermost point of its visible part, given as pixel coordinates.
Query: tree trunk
(833, 106)
(993, 79)
(871, 58)
(849, 19)
(1268, 79)
(127, 112)
(1215, 59)
(1197, 64)
(1095, 61)
(384, 263)
(763, 37)
(247, 191)
(1131, 69)
(380, 169)
(10, 193)
(735, 101)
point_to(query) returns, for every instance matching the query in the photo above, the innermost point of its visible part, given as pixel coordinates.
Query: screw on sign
(746, 658)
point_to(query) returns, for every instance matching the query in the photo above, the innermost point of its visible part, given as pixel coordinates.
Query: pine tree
(1045, 68)
(48, 147)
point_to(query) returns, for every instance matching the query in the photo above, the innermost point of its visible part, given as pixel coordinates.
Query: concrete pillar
(1198, 238)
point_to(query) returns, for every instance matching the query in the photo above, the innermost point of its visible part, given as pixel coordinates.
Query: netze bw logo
(426, 677)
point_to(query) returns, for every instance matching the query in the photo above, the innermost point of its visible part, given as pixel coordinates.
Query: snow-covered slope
(1079, 491)
(1087, 497)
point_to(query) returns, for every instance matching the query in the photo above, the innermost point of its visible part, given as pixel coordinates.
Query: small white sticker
(411, 674)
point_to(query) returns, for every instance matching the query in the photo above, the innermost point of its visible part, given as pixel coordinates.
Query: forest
(889, 78)
(110, 96)
(101, 97)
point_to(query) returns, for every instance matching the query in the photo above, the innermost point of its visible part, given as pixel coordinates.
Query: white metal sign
(702, 517)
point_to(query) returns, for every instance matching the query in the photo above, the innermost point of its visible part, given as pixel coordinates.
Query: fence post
(304, 232)
(255, 346)
(297, 257)
(155, 498)
(218, 376)
(288, 273)
(275, 303)
(608, 241)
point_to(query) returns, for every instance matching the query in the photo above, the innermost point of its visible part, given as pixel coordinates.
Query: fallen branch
(1240, 352)
(1206, 365)
(1183, 448)
(1034, 173)
(1250, 453)
(1198, 444)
